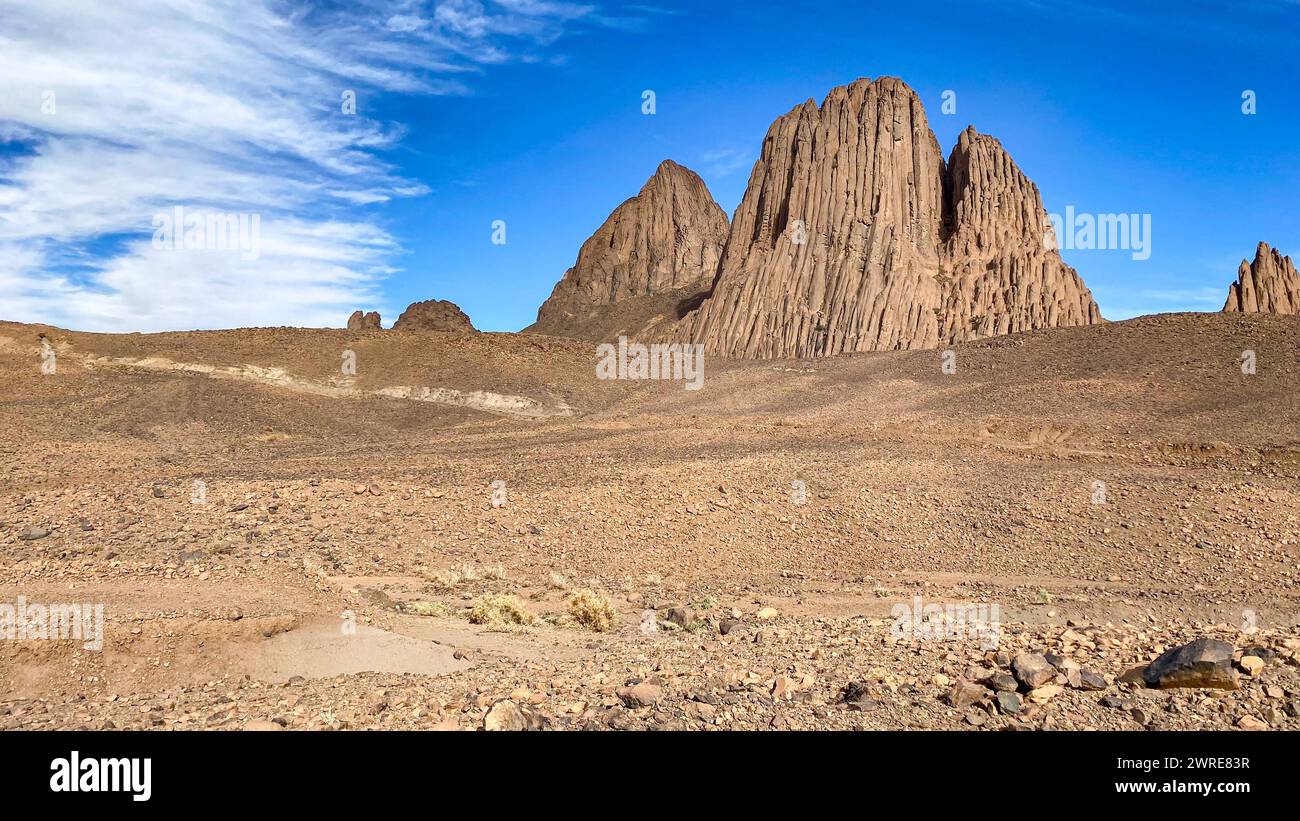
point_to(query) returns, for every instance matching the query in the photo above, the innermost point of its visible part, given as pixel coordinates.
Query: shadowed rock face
(1270, 284)
(364, 322)
(665, 240)
(853, 235)
(433, 315)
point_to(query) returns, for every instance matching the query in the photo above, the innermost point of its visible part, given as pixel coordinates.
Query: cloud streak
(111, 113)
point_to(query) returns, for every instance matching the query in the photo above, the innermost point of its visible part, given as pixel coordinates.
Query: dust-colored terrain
(1115, 490)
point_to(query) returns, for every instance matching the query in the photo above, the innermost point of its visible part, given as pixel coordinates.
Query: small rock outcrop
(654, 251)
(1268, 285)
(433, 315)
(364, 322)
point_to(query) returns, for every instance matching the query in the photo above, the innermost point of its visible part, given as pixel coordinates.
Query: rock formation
(433, 315)
(854, 236)
(1270, 284)
(655, 251)
(364, 322)
(999, 268)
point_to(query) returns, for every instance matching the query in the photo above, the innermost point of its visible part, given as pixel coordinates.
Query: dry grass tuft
(501, 610)
(592, 609)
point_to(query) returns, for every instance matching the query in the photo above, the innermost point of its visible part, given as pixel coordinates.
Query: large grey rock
(1202, 663)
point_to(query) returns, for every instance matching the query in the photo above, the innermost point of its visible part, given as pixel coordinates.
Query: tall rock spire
(1270, 284)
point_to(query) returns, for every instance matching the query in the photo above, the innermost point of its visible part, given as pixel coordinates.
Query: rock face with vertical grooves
(1269, 285)
(835, 246)
(999, 268)
(656, 250)
(854, 235)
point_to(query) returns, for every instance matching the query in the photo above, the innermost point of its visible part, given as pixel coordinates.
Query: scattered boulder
(364, 322)
(33, 533)
(1252, 666)
(1008, 703)
(1090, 679)
(1201, 663)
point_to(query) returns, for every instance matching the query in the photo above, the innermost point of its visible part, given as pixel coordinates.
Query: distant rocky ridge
(1270, 284)
(430, 315)
(853, 235)
(653, 253)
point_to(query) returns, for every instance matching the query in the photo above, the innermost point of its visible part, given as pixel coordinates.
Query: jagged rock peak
(1000, 270)
(668, 237)
(1270, 284)
(433, 315)
(834, 246)
(364, 322)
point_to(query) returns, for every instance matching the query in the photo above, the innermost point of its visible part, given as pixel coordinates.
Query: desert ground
(349, 562)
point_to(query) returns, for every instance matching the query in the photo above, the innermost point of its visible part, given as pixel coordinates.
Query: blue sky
(529, 111)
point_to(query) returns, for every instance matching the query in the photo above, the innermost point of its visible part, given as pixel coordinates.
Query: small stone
(1251, 723)
(505, 715)
(1253, 666)
(262, 726)
(965, 693)
(976, 718)
(768, 613)
(940, 680)
(33, 533)
(1044, 694)
(640, 695)
(1008, 703)
(727, 625)
(1032, 670)
(157, 492)
(680, 616)
(1001, 682)
(1090, 679)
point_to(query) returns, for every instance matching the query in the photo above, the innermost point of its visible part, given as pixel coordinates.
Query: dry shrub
(500, 611)
(591, 609)
(557, 581)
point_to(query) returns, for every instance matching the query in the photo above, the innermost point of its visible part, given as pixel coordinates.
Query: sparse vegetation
(557, 581)
(427, 608)
(500, 610)
(592, 609)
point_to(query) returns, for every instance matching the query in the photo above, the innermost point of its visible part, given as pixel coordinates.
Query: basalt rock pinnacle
(1270, 284)
(661, 246)
(854, 235)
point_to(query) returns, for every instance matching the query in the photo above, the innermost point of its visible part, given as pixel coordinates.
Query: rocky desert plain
(909, 404)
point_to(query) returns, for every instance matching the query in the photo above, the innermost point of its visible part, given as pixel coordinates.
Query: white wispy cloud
(114, 112)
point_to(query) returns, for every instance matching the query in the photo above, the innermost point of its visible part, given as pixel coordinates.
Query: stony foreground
(274, 545)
